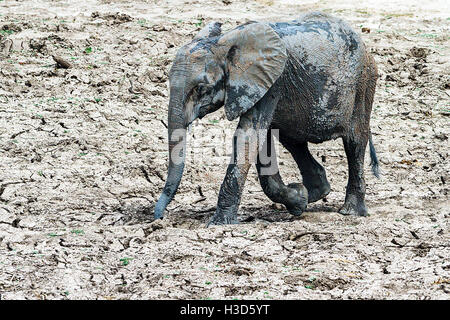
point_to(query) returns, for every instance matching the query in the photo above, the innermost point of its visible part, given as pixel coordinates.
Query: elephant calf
(310, 78)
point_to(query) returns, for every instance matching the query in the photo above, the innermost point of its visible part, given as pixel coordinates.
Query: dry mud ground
(83, 154)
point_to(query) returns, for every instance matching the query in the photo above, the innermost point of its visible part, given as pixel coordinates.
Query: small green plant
(428, 35)
(6, 32)
(125, 261)
(52, 234)
(311, 285)
(88, 50)
(199, 22)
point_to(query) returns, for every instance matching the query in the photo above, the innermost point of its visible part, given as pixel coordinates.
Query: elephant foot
(297, 199)
(317, 193)
(354, 207)
(221, 218)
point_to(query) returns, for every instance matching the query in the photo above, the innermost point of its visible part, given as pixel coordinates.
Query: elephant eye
(202, 89)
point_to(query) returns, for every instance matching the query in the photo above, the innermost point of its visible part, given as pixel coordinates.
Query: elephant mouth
(203, 110)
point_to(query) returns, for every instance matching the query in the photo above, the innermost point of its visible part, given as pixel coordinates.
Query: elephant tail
(373, 158)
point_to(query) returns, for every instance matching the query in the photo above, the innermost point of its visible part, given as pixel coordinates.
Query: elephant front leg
(245, 147)
(230, 195)
(248, 140)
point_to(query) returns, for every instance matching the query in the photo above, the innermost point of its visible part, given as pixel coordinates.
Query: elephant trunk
(177, 154)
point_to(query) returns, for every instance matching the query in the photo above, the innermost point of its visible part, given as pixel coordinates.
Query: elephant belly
(310, 124)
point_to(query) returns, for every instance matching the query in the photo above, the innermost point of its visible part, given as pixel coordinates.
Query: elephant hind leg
(355, 142)
(294, 196)
(313, 173)
(356, 186)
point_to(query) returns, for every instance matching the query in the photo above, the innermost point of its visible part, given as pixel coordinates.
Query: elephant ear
(255, 60)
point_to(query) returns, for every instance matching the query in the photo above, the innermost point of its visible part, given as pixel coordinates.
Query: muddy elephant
(311, 79)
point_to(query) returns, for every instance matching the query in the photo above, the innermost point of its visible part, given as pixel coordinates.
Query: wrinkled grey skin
(311, 78)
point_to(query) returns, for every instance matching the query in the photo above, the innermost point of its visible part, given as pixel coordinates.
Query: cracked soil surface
(83, 158)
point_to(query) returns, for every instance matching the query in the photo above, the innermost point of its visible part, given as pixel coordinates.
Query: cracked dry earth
(83, 159)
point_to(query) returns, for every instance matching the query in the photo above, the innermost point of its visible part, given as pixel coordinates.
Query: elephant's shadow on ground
(253, 214)
(192, 218)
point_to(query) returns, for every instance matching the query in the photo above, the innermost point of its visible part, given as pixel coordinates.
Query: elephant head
(234, 70)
